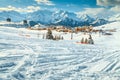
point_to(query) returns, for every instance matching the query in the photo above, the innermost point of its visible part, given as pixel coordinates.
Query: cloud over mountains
(114, 4)
(108, 2)
(27, 9)
(46, 2)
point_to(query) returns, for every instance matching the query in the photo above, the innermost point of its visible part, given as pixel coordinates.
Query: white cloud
(46, 2)
(9, 8)
(32, 8)
(110, 7)
(92, 11)
(96, 12)
(70, 5)
(115, 9)
(114, 4)
(27, 9)
(108, 2)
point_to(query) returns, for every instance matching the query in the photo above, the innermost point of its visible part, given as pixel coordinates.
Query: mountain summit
(58, 17)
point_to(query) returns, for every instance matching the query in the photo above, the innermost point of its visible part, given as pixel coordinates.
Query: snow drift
(33, 58)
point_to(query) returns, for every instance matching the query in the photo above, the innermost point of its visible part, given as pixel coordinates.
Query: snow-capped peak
(85, 17)
(47, 17)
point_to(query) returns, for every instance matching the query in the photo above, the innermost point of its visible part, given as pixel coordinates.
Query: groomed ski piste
(24, 55)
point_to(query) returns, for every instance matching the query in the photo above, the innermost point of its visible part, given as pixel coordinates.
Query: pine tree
(86, 41)
(8, 19)
(82, 40)
(24, 21)
(90, 41)
(62, 38)
(49, 34)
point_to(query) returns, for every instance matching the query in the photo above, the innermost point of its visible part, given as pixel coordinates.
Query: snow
(115, 17)
(24, 57)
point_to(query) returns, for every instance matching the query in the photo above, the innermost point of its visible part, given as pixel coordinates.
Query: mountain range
(15, 16)
(58, 17)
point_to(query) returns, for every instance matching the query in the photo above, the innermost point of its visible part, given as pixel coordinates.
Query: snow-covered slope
(113, 25)
(24, 55)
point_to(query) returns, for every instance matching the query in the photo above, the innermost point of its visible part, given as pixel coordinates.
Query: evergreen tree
(82, 40)
(8, 19)
(90, 41)
(49, 34)
(86, 41)
(24, 21)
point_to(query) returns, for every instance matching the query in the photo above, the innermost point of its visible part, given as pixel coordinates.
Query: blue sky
(70, 5)
(18, 3)
(75, 4)
(79, 6)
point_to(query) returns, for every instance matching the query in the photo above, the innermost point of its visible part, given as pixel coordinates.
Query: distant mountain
(115, 18)
(98, 22)
(64, 18)
(58, 17)
(85, 18)
(15, 16)
(42, 16)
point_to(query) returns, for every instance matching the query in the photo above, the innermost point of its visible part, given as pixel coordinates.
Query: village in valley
(53, 32)
(83, 30)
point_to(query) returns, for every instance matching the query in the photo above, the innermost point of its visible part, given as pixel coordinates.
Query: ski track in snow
(24, 58)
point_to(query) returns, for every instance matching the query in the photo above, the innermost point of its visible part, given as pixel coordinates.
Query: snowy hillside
(24, 55)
